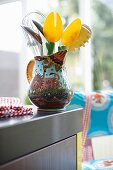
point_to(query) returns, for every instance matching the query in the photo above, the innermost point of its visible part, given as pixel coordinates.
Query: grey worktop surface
(23, 135)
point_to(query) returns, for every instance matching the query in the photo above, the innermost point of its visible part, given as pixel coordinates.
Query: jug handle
(29, 70)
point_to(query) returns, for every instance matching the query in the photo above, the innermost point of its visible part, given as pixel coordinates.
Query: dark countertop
(23, 135)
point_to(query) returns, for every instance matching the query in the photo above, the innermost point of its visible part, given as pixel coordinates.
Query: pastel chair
(98, 121)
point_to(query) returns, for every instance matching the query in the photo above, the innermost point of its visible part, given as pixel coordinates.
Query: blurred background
(90, 68)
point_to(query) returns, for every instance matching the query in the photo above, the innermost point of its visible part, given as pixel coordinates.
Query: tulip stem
(50, 47)
(61, 48)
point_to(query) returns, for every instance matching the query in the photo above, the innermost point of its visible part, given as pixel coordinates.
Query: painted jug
(49, 88)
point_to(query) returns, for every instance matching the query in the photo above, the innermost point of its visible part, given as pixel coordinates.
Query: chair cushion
(98, 165)
(101, 111)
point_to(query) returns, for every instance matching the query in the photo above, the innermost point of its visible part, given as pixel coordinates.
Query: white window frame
(85, 53)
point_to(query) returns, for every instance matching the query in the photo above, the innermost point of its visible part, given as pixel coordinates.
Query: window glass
(10, 20)
(10, 43)
(102, 43)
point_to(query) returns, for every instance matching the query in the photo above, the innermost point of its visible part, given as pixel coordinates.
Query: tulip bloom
(71, 33)
(74, 36)
(53, 27)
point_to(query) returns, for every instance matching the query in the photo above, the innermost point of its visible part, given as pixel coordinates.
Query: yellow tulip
(71, 33)
(53, 27)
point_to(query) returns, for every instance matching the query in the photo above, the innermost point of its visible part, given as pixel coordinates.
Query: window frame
(85, 53)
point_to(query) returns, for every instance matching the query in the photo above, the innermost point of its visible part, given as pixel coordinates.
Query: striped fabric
(87, 153)
(11, 106)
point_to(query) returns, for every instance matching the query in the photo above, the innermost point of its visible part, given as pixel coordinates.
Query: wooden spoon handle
(29, 70)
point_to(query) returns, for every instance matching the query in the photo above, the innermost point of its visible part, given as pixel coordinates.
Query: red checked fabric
(11, 106)
(86, 143)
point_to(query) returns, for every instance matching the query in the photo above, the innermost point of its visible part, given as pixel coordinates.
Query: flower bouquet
(49, 87)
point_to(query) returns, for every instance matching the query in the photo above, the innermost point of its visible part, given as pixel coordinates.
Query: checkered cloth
(11, 106)
(87, 152)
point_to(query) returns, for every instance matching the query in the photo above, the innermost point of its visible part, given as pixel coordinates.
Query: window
(10, 30)
(102, 44)
(10, 43)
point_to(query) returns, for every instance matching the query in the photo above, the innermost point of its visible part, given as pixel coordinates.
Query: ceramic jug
(49, 87)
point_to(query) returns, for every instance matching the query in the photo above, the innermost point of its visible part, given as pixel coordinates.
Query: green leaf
(61, 48)
(50, 47)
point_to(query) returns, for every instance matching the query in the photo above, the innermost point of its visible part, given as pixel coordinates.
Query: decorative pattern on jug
(49, 88)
